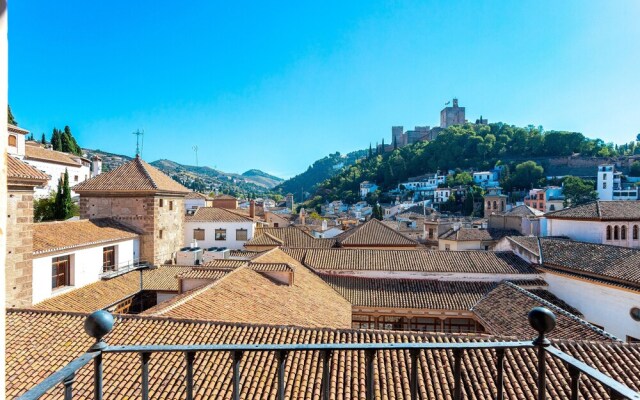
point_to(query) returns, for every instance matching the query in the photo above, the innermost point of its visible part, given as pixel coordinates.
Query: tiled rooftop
(290, 236)
(473, 234)
(17, 169)
(504, 312)
(374, 233)
(38, 343)
(412, 260)
(66, 235)
(133, 176)
(616, 210)
(214, 214)
(34, 151)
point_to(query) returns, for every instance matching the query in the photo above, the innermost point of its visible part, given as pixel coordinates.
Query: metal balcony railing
(111, 271)
(542, 320)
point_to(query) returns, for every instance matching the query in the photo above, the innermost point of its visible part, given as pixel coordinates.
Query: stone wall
(169, 218)
(18, 270)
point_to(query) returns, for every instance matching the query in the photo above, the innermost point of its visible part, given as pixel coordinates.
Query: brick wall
(19, 270)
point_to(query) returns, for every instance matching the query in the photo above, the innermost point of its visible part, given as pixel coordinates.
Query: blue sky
(277, 86)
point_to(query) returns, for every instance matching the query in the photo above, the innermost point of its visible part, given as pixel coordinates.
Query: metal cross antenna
(195, 148)
(138, 134)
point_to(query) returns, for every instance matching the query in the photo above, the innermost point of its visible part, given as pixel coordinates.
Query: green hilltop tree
(56, 140)
(63, 206)
(10, 118)
(578, 191)
(43, 140)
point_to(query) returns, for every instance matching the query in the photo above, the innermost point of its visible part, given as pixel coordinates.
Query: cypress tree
(10, 118)
(382, 146)
(44, 139)
(56, 140)
(58, 212)
(66, 196)
(370, 150)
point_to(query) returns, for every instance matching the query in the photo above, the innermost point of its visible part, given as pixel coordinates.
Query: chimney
(303, 216)
(252, 209)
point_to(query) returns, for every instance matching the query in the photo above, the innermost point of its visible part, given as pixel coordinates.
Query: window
(161, 203)
(631, 339)
(541, 196)
(170, 205)
(616, 233)
(623, 233)
(160, 234)
(430, 233)
(363, 321)
(488, 204)
(425, 324)
(604, 176)
(221, 234)
(75, 178)
(276, 225)
(60, 271)
(608, 232)
(604, 185)
(635, 232)
(198, 234)
(109, 258)
(495, 207)
(447, 247)
(241, 234)
(461, 325)
(13, 141)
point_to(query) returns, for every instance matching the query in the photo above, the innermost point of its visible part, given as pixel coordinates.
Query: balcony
(112, 270)
(244, 358)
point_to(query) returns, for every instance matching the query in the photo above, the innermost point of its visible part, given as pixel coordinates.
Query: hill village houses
(173, 265)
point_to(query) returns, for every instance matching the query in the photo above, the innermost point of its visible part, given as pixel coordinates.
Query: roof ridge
(139, 164)
(562, 311)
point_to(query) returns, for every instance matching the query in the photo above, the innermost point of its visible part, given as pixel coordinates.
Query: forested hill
(318, 172)
(461, 147)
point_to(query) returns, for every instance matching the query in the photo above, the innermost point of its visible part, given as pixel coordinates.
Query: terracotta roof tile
(133, 176)
(65, 235)
(413, 260)
(615, 210)
(39, 343)
(214, 214)
(36, 152)
(473, 234)
(374, 233)
(289, 236)
(409, 293)
(504, 311)
(198, 196)
(17, 169)
(204, 273)
(525, 211)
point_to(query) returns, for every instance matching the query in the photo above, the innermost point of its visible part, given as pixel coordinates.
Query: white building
(367, 187)
(611, 187)
(70, 254)
(486, 178)
(427, 182)
(441, 195)
(614, 222)
(51, 162)
(218, 227)
(596, 279)
(194, 200)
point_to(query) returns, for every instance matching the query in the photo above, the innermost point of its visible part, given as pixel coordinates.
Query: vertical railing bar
(144, 360)
(97, 377)
(414, 353)
(500, 375)
(189, 356)
(68, 386)
(282, 359)
(542, 373)
(575, 382)
(457, 374)
(327, 356)
(369, 357)
(236, 356)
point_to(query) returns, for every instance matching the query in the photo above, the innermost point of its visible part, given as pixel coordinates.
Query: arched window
(616, 233)
(488, 204)
(635, 232)
(623, 233)
(608, 232)
(495, 206)
(13, 141)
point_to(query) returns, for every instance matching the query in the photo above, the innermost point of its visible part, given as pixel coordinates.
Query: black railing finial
(543, 321)
(98, 324)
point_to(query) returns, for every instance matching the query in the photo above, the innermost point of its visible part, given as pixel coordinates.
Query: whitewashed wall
(606, 306)
(591, 231)
(55, 171)
(86, 267)
(209, 235)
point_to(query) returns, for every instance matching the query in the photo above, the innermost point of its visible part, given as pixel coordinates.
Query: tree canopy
(578, 191)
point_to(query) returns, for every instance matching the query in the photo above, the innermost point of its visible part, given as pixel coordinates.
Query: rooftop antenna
(138, 147)
(195, 148)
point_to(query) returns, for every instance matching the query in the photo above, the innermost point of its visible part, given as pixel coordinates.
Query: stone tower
(21, 180)
(144, 198)
(453, 115)
(494, 202)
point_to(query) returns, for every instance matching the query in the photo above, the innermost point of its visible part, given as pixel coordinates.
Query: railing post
(500, 374)
(282, 359)
(236, 357)
(543, 321)
(370, 384)
(97, 325)
(68, 386)
(327, 356)
(414, 353)
(457, 374)
(575, 382)
(188, 357)
(144, 359)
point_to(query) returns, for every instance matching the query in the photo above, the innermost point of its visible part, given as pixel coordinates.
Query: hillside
(470, 146)
(199, 178)
(318, 172)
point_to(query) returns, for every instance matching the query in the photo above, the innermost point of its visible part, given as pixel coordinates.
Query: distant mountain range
(201, 177)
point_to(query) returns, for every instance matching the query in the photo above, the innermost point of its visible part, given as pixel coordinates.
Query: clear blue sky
(276, 86)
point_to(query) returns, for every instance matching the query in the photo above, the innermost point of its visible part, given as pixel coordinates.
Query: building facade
(453, 115)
